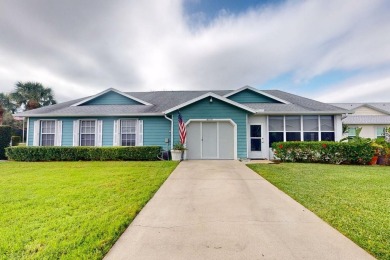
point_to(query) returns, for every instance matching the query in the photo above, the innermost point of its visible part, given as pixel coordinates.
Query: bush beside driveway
(353, 199)
(72, 210)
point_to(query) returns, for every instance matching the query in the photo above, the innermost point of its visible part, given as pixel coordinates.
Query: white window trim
(40, 130)
(98, 135)
(302, 131)
(139, 129)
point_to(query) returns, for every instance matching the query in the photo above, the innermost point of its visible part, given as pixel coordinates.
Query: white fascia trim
(301, 113)
(257, 91)
(209, 94)
(102, 115)
(114, 90)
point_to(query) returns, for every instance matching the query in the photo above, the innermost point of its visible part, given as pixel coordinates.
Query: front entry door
(256, 141)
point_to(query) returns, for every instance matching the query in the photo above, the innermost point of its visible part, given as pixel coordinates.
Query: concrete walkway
(223, 210)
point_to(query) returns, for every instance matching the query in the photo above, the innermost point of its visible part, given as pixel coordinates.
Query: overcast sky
(332, 51)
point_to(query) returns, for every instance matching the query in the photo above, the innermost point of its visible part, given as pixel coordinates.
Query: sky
(328, 50)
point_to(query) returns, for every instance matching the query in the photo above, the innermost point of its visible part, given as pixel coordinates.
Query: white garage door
(210, 140)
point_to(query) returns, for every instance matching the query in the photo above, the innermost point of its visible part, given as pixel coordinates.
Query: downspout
(170, 119)
(28, 129)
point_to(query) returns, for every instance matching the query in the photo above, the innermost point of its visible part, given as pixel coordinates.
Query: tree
(7, 104)
(30, 95)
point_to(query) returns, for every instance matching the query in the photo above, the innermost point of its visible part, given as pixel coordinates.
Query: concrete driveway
(223, 210)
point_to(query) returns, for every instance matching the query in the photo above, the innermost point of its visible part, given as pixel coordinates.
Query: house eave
(94, 115)
(300, 112)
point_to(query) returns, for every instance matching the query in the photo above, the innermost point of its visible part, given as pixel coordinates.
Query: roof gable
(211, 96)
(248, 94)
(111, 97)
(367, 109)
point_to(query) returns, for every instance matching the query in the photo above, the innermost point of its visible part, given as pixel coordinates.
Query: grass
(353, 199)
(72, 210)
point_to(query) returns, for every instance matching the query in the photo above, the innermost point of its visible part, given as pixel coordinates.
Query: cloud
(80, 48)
(366, 88)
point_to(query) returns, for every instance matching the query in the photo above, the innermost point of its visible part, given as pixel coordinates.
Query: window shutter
(140, 132)
(37, 126)
(76, 130)
(58, 135)
(117, 132)
(99, 134)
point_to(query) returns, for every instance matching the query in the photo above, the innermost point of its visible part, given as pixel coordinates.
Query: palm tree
(32, 95)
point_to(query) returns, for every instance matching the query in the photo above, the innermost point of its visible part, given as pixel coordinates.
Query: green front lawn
(72, 210)
(353, 199)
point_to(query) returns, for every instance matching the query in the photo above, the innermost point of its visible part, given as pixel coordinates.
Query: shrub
(324, 152)
(15, 140)
(5, 139)
(56, 153)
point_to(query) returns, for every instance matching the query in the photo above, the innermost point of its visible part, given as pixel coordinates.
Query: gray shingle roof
(367, 120)
(164, 100)
(385, 106)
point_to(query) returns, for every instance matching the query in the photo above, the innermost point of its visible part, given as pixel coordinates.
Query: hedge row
(53, 153)
(5, 139)
(323, 152)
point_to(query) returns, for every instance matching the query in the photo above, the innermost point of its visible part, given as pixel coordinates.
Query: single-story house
(220, 124)
(373, 118)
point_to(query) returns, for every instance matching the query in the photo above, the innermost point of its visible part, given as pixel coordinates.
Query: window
(48, 129)
(351, 132)
(128, 132)
(327, 128)
(310, 128)
(87, 132)
(380, 132)
(293, 128)
(298, 128)
(276, 129)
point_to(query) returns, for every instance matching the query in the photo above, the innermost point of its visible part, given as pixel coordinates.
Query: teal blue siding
(156, 129)
(112, 98)
(203, 109)
(249, 96)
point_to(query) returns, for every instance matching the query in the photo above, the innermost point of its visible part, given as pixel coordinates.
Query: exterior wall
(367, 111)
(204, 109)
(156, 129)
(111, 98)
(248, 96)
(368, 131)
(338, 128)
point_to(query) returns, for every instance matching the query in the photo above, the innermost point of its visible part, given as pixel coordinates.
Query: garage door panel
(209, 142)
(193, 141)
(226, 140)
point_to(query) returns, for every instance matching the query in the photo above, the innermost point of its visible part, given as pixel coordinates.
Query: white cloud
(80, 48)
(366, 88)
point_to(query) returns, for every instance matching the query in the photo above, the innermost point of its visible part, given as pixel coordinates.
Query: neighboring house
(373, 118)
(222, 124)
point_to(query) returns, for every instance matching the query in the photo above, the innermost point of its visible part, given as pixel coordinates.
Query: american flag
(182, 129)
